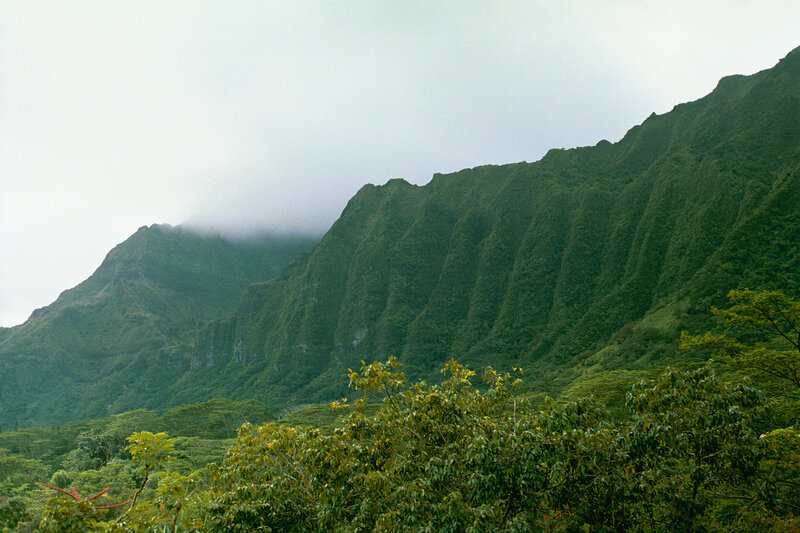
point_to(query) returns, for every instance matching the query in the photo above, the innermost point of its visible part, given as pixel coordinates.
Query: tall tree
(762, 336)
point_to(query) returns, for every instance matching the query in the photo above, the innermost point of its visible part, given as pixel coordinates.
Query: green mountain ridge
(584, 265)
(542, 264)
(115, 341)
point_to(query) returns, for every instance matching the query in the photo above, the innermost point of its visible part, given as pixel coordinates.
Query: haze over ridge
(273, 116)
(587, 262)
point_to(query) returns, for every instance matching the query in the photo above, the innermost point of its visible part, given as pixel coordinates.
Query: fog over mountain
(584, 264)
(270, 116)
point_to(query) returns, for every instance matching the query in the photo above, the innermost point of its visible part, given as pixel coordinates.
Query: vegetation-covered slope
(581, 268)
(115, 341)
(587, 261)
(590, 258)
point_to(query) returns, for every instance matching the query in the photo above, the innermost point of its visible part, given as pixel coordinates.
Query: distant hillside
(116, 341)
(589, 260)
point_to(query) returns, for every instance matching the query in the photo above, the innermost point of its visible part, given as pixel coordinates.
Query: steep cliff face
(116, 341)
(537, 264)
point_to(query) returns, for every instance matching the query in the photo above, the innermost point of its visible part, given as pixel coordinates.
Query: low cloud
(270, 116)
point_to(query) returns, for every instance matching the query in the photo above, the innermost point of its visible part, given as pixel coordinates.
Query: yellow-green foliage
(457, 457)
(692, 454)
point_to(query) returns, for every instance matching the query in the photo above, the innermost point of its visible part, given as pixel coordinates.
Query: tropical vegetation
(619, 403)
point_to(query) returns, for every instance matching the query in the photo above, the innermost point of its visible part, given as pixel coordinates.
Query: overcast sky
(242, 116)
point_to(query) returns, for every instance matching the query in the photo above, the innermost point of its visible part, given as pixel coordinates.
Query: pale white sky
(243, 116)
